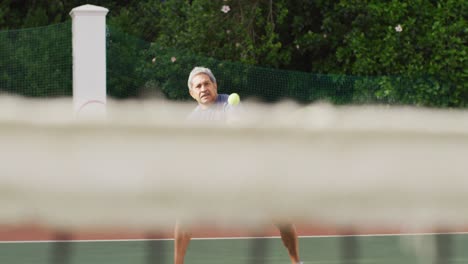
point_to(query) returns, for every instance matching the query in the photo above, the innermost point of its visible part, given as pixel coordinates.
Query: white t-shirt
(220, 110)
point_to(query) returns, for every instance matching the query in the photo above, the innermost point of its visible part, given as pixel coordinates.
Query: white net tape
(144, 165)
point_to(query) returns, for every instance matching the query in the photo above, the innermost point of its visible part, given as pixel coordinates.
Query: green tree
(236, 30)
(419, 45)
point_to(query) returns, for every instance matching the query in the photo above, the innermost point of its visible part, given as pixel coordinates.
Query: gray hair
(199, 70)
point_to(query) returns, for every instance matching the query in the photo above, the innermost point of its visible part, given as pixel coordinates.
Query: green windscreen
(140, 69)
(37, 62)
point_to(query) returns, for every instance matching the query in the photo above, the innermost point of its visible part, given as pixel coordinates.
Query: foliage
(235, 30)
(421, 43)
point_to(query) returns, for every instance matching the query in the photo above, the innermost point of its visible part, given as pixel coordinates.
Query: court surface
(382, 249)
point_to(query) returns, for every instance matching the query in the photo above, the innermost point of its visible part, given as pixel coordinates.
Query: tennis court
(400, 249)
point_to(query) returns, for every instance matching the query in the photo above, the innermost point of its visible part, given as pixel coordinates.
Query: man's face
(203, 90)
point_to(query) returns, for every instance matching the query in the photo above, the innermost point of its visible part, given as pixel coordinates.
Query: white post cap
(89, 10)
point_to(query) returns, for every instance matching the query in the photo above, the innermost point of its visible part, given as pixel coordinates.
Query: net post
(89, 59)
(444, 246)
(61, 248)
(156, 247)
(258, 250)
(349, 247)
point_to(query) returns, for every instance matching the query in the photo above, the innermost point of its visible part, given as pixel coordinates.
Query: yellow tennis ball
(233, 99)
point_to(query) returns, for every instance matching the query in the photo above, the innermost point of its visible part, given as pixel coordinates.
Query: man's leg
(182, 238)
(290, 241)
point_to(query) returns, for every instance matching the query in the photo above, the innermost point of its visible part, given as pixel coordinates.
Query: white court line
(226, 238)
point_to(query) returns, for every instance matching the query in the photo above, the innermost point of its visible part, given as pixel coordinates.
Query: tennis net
(143, 166)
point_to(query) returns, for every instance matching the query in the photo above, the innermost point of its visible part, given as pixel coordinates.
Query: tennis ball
(233, 99)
